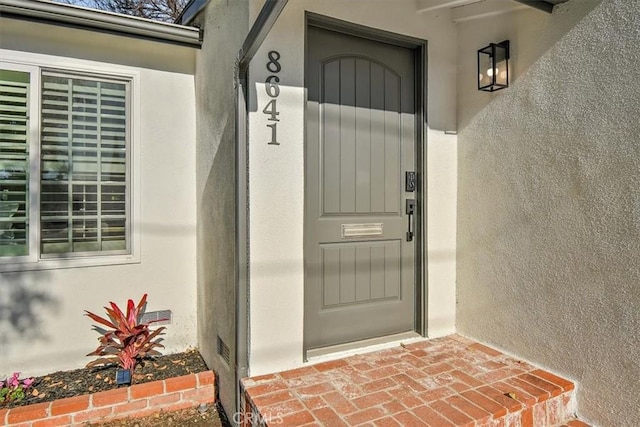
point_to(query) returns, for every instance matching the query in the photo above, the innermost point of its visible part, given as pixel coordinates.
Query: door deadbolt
(410, 181)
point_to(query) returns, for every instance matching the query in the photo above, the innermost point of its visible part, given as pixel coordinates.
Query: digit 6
(273, 90)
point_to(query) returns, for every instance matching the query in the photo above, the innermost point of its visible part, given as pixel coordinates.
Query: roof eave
(190, 11)
(98, 20)
(546, 6)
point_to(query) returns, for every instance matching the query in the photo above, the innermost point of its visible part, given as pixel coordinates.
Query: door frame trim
(419, 47)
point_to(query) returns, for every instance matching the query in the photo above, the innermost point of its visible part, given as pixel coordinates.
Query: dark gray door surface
(361, 139)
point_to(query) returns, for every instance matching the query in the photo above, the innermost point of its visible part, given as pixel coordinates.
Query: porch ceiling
(463, 10)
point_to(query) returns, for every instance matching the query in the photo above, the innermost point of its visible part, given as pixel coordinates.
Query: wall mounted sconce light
(493, 67)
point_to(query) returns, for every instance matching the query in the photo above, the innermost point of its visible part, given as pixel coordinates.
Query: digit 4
(271, 110)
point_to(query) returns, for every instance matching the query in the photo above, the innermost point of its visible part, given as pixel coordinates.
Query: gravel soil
(205, 416)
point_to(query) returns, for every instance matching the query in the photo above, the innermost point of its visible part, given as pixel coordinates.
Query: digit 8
(273, 65)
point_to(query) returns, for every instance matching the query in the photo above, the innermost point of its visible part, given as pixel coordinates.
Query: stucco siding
(226, 24)
(42, 327)
(548, 213)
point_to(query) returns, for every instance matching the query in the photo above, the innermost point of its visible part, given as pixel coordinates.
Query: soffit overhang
(98, 20)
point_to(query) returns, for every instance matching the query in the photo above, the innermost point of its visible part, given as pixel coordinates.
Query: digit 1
(273, 134)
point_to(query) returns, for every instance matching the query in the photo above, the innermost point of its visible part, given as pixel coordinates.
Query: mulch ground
(62, 384)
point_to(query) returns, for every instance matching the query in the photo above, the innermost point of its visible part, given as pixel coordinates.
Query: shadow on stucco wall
(548, 212)
(216, 267)
(22, 304)
(532, 35)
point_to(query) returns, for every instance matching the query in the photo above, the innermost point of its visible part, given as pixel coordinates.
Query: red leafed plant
(128, 341)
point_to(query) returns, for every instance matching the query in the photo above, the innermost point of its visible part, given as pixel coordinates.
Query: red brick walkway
(450, 381)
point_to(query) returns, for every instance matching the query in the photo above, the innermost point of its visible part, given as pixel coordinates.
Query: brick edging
(138, 400)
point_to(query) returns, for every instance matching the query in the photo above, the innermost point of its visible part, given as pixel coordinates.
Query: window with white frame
(64, 165)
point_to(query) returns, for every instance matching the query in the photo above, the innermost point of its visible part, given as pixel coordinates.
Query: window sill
(64, 263)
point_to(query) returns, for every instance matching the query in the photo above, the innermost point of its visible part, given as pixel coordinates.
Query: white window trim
(34, 64)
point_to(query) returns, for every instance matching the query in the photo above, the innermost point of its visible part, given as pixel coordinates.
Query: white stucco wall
(548, 203)
(42, 327)
(225, 26)
(277, 175)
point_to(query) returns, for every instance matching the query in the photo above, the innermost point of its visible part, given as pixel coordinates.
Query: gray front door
(361, 139)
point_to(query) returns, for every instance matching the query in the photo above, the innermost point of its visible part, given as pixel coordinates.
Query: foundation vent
(223, 351)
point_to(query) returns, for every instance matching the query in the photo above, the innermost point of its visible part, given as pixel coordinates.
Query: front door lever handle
(411, 207)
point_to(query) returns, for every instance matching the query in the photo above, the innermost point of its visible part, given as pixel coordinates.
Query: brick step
(451, 381)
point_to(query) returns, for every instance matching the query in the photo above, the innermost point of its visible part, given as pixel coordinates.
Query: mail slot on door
(361, 230)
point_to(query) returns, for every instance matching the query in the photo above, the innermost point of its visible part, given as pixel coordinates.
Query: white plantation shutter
(84, 170)
(14, 163)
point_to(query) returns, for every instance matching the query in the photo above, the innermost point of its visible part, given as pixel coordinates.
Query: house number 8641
(273, 90)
